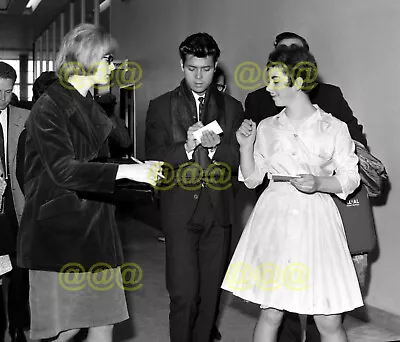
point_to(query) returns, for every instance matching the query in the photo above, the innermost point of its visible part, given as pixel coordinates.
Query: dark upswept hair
(81, 50)
(200, 45)
(290, 35)
(7, 72)
(296, 62)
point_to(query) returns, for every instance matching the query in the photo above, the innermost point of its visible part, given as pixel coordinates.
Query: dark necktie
(201, 107)
(201, 153)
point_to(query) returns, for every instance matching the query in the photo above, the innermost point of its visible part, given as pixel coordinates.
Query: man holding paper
(197, 201)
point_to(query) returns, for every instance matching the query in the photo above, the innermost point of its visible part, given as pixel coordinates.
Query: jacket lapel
(215, 107)
(85, 115)
(183, 112)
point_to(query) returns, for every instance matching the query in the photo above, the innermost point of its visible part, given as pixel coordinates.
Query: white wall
(357, 46)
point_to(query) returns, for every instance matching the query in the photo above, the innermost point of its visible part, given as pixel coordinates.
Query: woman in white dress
(293, 255)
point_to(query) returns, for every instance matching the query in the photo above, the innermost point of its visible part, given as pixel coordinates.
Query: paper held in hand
(5, 264)
(281, 178)
(212, 126)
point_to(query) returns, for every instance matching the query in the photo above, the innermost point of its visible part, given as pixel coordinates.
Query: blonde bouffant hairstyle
(82, 49)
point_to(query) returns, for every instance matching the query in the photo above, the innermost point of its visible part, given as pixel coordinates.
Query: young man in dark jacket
(197, 201)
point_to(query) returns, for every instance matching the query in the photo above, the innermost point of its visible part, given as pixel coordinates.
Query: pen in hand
(140, 162)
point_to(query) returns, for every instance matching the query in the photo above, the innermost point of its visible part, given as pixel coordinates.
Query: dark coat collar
(184, 110)
(214, 102)
(84, 113)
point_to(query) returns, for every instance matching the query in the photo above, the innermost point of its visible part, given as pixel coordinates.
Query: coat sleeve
(344, 113)
(159, 144)
(20, 159)
(119, 135)
(251, 106)
(259, 105)
(346, 162)
(48, 129)
(228, 150)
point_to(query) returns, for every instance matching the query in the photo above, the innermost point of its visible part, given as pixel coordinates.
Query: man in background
(12, 120)
(219, 79)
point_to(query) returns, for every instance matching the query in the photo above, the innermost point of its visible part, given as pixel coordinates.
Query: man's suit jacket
(259, 105)
(7, 233)
(177, 204)
(16, 122)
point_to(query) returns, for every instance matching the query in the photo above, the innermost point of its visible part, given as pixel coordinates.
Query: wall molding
(380, 318)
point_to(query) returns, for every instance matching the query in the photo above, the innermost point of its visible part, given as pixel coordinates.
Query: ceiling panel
(19, 30)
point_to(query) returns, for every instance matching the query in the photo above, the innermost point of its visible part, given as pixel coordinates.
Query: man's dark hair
(200, 45)
(290, 35)
(45, 79)
(296, 62)
(7, 71)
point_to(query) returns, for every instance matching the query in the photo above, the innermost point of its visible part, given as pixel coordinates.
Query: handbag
(358, 221)
(126, 191)
(372, 171)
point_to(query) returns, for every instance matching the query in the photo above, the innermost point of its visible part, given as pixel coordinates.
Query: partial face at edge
(199, 72)
(221, 86)
(6, 89)
(104, 69)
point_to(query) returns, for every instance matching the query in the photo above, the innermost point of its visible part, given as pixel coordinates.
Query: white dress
(293, 253)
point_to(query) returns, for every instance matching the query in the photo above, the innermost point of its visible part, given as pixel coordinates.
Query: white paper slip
(281, 178)
(5, 264)
(212, 126)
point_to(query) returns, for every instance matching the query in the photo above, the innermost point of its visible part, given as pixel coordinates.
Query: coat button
(196, 196)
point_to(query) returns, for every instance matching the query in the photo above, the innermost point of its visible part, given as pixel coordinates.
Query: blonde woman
(59, 230)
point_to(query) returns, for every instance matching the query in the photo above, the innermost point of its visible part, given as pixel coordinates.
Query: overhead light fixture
(104, 5)
(4, 5)
(32, 4)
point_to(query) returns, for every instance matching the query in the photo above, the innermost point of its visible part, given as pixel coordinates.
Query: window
(16, 65)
